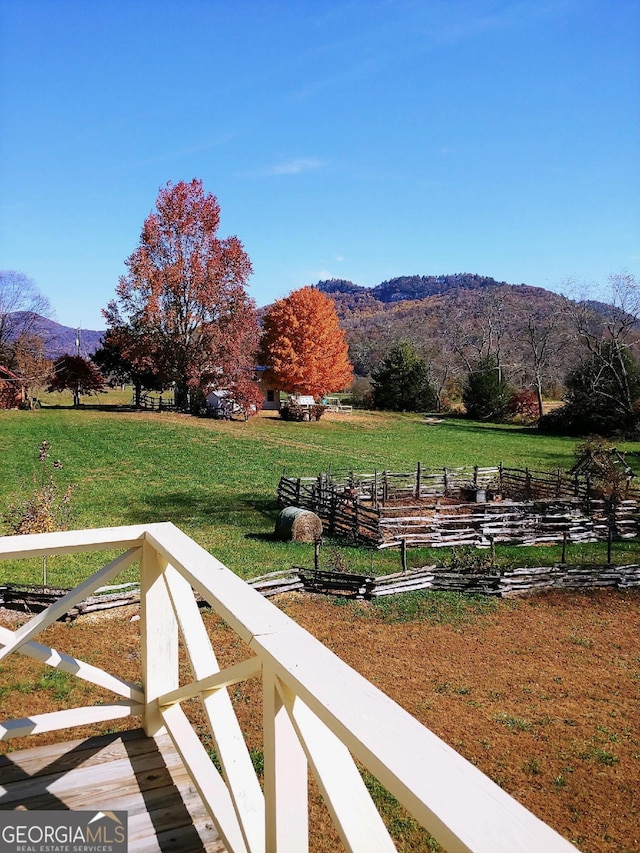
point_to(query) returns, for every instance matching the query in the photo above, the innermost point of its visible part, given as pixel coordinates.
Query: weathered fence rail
(32, 599)
(504, 583)
(516, 523)
(464, 506)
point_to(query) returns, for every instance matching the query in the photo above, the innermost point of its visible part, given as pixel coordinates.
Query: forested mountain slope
(455, 320)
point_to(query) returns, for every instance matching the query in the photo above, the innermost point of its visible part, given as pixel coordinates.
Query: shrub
(523, 407)
(45, 510)
(602, 397)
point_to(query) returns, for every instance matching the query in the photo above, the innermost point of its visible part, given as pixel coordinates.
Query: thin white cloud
(295, 167)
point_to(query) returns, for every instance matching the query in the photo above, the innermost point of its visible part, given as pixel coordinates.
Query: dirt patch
(541, 694)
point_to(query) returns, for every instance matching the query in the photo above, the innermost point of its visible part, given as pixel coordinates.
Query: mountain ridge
(413, 287)
(59, 339)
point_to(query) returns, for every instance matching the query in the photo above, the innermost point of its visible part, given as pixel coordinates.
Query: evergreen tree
(402, 383)
(486, 393)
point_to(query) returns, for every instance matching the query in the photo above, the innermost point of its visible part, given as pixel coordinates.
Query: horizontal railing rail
(318, 712)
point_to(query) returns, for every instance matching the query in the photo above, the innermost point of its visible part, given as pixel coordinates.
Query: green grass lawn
(217, 480)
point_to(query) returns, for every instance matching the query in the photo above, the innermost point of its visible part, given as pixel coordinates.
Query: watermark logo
(63, 832)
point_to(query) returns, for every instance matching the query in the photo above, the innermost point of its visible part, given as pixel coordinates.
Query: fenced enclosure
(466, 506)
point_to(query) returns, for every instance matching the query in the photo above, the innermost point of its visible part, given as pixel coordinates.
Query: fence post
(418, 478)
(159, 637)
(446, 483)
(564, 547)
(611, 507)
(375, 488)
(403, 553)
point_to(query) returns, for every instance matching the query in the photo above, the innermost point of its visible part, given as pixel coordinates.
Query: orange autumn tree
(304, 344)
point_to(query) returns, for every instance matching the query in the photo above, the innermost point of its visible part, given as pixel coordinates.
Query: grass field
(540, 693)
(217, 480)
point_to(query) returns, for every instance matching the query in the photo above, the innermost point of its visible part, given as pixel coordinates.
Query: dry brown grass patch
(541, 694)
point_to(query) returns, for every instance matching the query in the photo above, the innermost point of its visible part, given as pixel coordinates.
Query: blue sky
(360, 140)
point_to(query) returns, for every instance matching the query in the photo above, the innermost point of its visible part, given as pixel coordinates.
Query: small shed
(221, 404)
(13, 391)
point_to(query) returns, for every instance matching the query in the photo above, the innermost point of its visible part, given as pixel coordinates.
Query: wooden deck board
(118, 772)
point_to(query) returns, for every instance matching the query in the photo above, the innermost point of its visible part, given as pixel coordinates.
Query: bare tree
(603, 390)
(31, 365)
(617, 321)
(545, 336)
(611, 333)
(21, 305)
(479, 334)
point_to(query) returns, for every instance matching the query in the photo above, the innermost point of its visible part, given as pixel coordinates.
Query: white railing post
(354, 813)
(285, 776)
(158, 636)
(240, 776)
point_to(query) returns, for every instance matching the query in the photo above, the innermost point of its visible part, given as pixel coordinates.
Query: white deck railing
(318, 712)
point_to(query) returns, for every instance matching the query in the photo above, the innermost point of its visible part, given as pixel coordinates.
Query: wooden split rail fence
(463, 506)
(505, 583)
(33, 599)
(516, 523)
(159, 404)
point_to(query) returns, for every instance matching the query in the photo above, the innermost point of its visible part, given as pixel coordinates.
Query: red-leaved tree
(304, 344)
(182, 309)
(73, 373)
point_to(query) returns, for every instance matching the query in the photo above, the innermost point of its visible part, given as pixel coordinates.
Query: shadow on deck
(116, 772)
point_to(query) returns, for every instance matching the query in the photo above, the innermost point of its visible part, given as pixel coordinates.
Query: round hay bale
(298, 525)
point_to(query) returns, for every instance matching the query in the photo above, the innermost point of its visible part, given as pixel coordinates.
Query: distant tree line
(182, 319)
